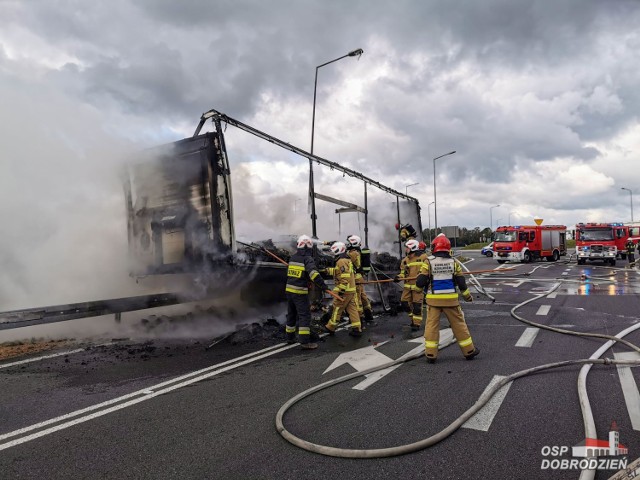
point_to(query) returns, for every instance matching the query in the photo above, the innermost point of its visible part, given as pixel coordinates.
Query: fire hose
(481, 402)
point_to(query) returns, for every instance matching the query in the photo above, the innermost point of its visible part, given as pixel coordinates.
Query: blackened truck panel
(179, 207)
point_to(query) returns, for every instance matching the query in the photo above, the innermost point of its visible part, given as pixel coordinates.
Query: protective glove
(396, 279)
(467, 297)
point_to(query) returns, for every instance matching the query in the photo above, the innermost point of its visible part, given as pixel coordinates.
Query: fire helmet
(422, 246)
(440, 244)
(338, 248)
(412, 245)
(354, 241)
(304, 241)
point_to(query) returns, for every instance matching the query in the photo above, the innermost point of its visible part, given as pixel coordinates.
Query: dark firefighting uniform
(302, 270)
(630, 251)
(345, 286)
(440, 275)
(362, 301)
(412, 296)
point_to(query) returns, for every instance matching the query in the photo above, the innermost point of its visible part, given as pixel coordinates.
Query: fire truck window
(532, 235)
(620, 233)
(522, 237)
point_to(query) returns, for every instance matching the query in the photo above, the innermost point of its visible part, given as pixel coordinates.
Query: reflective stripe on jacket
(300, 271)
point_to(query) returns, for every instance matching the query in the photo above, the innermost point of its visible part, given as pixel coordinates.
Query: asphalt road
(169, 409)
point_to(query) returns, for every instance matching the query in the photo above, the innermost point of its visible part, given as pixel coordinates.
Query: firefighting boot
(328, 330)
(291, 338)
(473, 354)
(431, 359)
(309, 346)
(354, 332)
(368, 316)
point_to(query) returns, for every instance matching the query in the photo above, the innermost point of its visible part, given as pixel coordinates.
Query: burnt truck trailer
(180, 215)
(180, 221)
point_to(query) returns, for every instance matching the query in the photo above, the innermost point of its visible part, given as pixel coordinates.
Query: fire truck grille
(597, 248)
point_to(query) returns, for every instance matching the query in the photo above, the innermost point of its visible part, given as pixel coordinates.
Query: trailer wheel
(581, 261)
(612, 262)
(527, 256)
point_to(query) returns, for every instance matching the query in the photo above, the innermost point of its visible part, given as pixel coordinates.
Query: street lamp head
(359, 51)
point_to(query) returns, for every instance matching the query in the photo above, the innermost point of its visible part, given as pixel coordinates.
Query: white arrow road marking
(629, 387)
(365, 358)
(483, 418)
(527, 337)
(514, 284)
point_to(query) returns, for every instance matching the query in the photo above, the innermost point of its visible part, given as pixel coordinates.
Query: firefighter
(439, 275)
(407, 232)
(354, 244)
(300, 271)
(411, 300)
(345, 286)
(630, 252)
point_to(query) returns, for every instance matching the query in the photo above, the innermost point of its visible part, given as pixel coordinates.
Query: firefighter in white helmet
(440, 275)
(412, 297)
(301, 270)
(345, 286)
(354, 244)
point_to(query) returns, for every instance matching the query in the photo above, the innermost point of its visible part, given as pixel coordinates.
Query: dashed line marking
(483, 418)
(629, 387)
(527, 337)
(543, 310)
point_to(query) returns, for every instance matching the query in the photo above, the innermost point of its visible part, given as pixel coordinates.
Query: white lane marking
(527, 337)
(44, 357)
(446, 339)
(543, 310)
(515, 284)
(120, 406)
(629, 387)
(52, 355)
(552, 295)
(565, 273)
(136, 393)
(483, 418)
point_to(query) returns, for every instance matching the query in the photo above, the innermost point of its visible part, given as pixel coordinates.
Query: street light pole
(407, 187)
(435, 200)
(630, 199)
(312, 193)
(491, 217)
(510, 217)
(429, 215)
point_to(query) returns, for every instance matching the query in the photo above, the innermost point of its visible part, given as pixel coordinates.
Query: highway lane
(222, 425)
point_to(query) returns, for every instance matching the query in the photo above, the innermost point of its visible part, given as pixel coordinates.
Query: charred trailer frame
(179, 206)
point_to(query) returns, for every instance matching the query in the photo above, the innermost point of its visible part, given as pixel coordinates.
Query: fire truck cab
(530, 243)
(601, 242)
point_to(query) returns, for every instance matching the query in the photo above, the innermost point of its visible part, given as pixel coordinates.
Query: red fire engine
(529, 243)
(602, 241)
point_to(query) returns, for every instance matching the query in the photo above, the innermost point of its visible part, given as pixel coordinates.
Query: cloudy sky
(539, 99)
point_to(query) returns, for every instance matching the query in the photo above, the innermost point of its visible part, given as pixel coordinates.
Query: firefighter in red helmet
(439, 276)
(411, 299)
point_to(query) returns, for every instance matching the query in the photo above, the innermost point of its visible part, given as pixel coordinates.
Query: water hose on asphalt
(458, 422)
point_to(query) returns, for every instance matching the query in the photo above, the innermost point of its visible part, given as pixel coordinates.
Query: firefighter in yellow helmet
(440, 275)
(354, 244)
(407, 232)
(345, 286)
(411, 299)
(300, 271)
